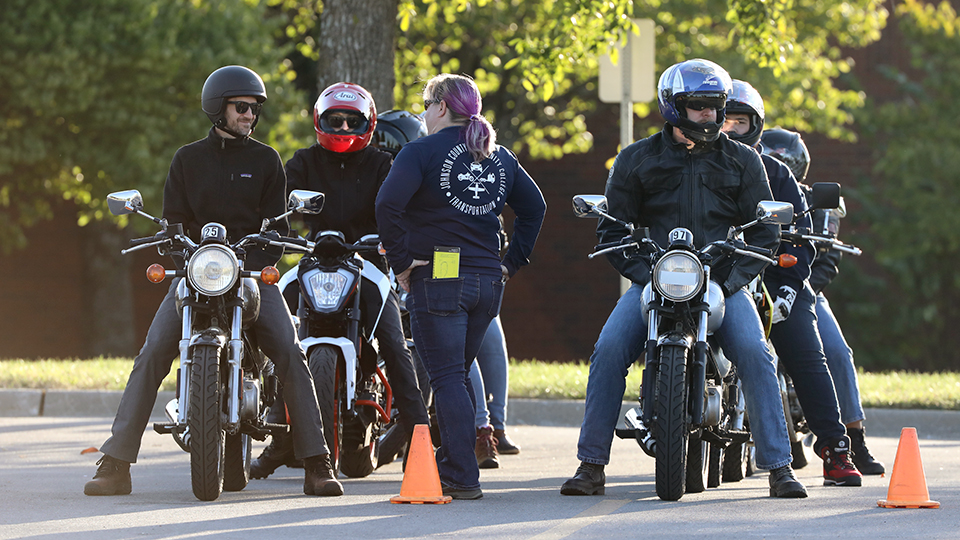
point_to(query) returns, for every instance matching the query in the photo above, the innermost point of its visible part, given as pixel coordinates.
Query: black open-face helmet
(746, 100)
(227, 82)
(694, 82)
(788, 147)
(397, 128)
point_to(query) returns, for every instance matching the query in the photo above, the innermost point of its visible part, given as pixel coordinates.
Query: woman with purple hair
(438, 215)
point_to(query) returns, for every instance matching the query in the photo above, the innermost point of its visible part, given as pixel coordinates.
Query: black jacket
(825, 266)
(659, 183)
(236, 183)
(349, 182)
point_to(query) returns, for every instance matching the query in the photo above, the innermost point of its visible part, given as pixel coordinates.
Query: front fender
(349, 359)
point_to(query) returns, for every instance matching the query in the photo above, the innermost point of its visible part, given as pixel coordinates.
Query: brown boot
(318, 477)
(486, 449)
(112, 478)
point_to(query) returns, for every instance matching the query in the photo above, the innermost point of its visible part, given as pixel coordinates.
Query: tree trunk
(357, 44)
(108, 294)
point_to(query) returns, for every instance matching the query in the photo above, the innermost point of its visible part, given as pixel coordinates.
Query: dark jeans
(277, 339)
(800, 350)
(449, 318)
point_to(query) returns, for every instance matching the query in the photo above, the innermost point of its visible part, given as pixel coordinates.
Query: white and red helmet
(350, 98)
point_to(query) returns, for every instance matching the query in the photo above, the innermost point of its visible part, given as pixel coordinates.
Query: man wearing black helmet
(788, 147)
(687, 175)
(236, 181)
(349, 172)
(794, 333)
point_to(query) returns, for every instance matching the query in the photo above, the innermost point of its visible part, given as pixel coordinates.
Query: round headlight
(678, 276)
(213, 269)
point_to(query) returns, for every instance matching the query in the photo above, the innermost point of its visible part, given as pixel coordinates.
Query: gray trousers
(277, 339)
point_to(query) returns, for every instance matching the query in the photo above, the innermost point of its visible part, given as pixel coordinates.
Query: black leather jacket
(660, 184)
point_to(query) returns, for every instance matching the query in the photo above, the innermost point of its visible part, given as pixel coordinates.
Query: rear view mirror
(826, 195)
(124, 202)
(775, 212)
(586, 206)
(305, 201)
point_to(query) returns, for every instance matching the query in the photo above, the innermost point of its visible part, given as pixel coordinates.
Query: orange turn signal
(785, 260)
(381, 250)
(270, 275)
(156, 273)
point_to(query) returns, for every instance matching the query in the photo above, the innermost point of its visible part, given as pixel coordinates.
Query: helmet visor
(344, 122)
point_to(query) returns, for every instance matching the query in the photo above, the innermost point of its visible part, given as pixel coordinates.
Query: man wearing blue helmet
(687, 175)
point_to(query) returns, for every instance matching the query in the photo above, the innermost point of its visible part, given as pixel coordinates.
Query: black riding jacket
(825, 266)
(349, 182)
(660, 184)
(234, 182)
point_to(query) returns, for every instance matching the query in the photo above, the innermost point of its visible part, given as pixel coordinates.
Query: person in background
(788, 147)
(438, 214)
(237, 181)
(794, 332)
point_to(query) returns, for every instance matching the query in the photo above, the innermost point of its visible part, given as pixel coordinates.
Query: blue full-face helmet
(694, 82)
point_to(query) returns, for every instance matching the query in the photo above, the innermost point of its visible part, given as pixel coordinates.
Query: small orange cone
(421, 480)
(908, 487)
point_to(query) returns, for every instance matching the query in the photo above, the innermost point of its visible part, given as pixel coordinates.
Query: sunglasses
(334, 122)
(428, 102)
(242, 107)
(701, 104)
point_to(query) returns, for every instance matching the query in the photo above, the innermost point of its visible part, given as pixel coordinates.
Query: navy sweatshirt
(786, 189)
(436, 195)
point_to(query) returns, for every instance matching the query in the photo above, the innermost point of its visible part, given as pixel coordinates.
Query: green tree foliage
(98, 95)
(536, 62)
(908, 219)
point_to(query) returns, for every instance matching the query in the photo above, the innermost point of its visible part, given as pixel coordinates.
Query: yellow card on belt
(446, 262)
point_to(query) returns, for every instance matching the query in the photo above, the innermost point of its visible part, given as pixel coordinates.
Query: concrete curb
(930, 424)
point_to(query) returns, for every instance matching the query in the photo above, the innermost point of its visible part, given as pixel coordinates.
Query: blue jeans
(449, 318)
(800, 350)
(621, 343)
(840, 362)
(490, 378)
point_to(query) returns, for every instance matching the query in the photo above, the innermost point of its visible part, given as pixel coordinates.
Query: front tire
(204, 420)
(323, 362)
(670, 425)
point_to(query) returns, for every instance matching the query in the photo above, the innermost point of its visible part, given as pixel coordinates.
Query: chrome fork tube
(186, 361)
(234, 360)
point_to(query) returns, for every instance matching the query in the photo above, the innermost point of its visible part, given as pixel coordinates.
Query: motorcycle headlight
(328, 289)
(678, 276)
(213, 269)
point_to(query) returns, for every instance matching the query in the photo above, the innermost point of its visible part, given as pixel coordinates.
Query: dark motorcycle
(337, 324)
(224, 382)
(687, 392)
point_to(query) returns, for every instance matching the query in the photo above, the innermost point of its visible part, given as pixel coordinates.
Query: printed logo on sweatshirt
(246, 175)
(472, 188)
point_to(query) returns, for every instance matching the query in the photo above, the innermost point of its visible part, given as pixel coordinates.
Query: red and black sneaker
(837, 469)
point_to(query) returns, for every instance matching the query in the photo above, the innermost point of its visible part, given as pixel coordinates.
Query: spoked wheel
(670, 425)
(323, 366)
(204, 421)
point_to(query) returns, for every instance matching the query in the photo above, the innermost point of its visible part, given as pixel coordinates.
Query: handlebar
(820, 239)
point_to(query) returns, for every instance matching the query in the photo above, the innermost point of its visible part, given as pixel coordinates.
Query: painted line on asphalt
(589, 516)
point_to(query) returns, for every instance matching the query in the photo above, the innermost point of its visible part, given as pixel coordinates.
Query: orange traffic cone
(908, 487)
(421, 480)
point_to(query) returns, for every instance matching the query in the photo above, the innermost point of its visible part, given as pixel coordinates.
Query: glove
(783, 303)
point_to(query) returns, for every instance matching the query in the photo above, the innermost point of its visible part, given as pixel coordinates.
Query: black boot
(862, 459)
(318, 477)
(588, 480)
(278, 452)
(784, 484)
(112, 478)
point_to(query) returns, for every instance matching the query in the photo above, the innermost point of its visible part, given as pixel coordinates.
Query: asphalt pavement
(43, 469)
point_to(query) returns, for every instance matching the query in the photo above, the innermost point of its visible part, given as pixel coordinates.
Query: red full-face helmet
(353, 100)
